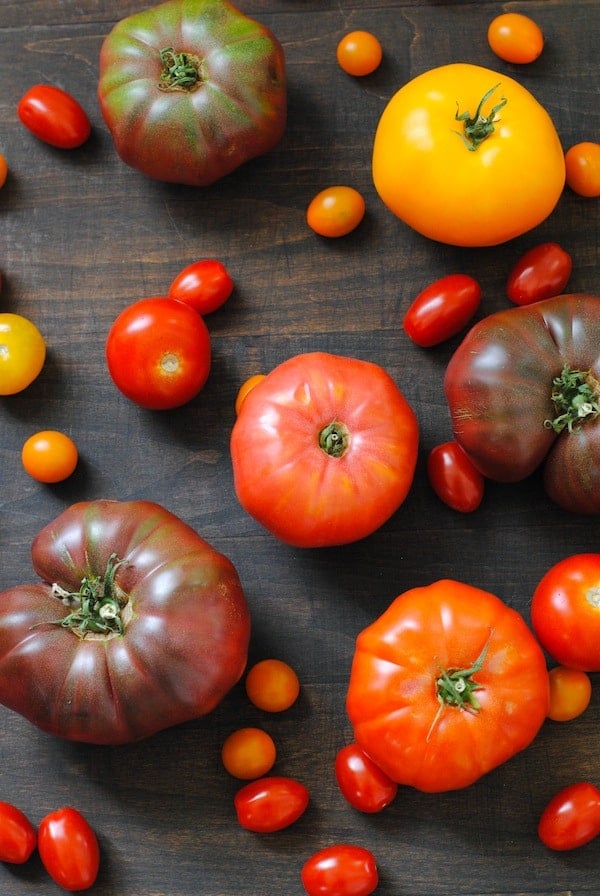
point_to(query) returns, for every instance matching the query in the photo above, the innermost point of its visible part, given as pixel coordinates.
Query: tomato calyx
(478, 127)
(181, 71)
(334, 439)
(98, 605)
(576, 398)
(456, 687)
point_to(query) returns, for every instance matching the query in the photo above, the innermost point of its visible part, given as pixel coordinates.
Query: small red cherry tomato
(454, 477)
(442, 309)
(362, 783)
(340, 870)
(270, 804)
(54, 116)
(541, 273)
(570, 693)
(205, 285)
(515, 38)
(335, 211)
(69, 849)
(582, 163)
(18, 837)
(359, 53)
(571, 818)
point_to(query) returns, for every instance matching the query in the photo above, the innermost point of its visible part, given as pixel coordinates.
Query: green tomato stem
(97, 606)
(334, 439)
(576, 397)
(180, 71)
(478, 127)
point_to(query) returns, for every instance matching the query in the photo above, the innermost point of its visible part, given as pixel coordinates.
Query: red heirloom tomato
(565, 612)
(340, 870)
(442, 309)
(69, 849)
(191, 89)
(445, 685)
(541, 273)
(523, 391)
(138, 624)
(18, 836)
(454, 478)
(324, 450)
(270, 804)
(571, 818)
(205, 285)
(361, 781)
(158, 353)
(54, 116)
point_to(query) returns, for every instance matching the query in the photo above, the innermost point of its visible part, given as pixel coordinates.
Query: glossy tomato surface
(54, 116)
(541, 273)
(22, 353)
(18, 837)
(335, 211)
(340, 870)
(454, 477)
(572, 817)
(271, 804)
(570, 693)
(324, 450)
(192, 89)
(158, 353)
(515, 37)
(362, 783)
(403, 701)
(69, 849)
(205, 285)
(442, 309)
(522, 389)
(164, 642)
(359, 53)
(565, 612)
(582, 162)
(49, 456)
(428, 156)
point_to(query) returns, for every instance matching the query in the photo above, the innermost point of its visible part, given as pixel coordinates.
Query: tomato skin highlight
(54, 116)
(359, 53)
(582, 162)
(340, 870)
(204, 285)
(442, 309)
(335, 211)
(22, 353)
(271, 804)
(454, 477)
(515, 38)
(18, 837)
(572, 817)
(362, 783)
(570, 693)
(69, 849)
(541, 273)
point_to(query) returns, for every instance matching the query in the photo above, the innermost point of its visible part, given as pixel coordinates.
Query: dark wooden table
(82, 236)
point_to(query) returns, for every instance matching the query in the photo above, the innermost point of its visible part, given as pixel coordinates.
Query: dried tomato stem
(478, 127)
(334, 439)
(180, 71)
(576, 397)
(97, 605)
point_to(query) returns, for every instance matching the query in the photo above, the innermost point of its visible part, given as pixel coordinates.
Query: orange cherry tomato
(22, 353)
(247, 387)
(570, 693)
(335, 211)
(49, 456)
(3, 171)
(248, 753)
(359, 53)
(583, 168)
(272, 685)
(515, 38)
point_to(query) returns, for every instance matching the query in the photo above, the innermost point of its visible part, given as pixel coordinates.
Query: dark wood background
(82, 236)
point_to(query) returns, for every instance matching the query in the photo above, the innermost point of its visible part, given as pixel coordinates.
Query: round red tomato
(541, 273)
(270, 804)
(571, 818)
(69, 849)
(205, 285)
(54, 116)
(454, 477)
(362, 783)
(447, 684)
(442, 309)
(158, 353)
(565, 612)
(340, 870)
(324, 450)
(18, 836)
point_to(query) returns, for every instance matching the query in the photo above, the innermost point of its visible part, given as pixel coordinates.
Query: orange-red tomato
(272, 685)
(583, 168)
(248, 753)
(247, 387)
(570, 693)
(515, 38)
(49, 456)
(335, 211)
(3, 170)
(359, 53)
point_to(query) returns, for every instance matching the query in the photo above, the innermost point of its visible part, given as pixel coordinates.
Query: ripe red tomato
(248, 753)
(69, 849)
(335, 211)
(158, 353)
(272, 685)
(49, 456)
(54, 116)
(571, 818)
(442, 309)
(570, 693)
(541, 273)
(454, 477)
(362, 783)
(565, 612)
(340, 870)
(18, 836)
(270, 804)
(515, 38)
(359, 53)
(205, 285)
(582, 163)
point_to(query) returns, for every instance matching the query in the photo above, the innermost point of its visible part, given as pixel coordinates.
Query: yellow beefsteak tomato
(467, 156)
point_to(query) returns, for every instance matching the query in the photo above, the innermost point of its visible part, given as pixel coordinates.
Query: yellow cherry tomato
(247, 387)
(49, 456)
(272, 685)
(583, 168)
(570, 693)
(22, 353)
(335, 211)
(359, 53)
(515, 38)
(248, 753)
(467, 156)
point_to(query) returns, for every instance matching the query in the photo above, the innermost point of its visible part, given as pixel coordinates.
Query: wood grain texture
(82, 236)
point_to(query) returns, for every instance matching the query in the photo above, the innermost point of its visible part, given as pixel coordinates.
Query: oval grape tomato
(270, 804)
(69, 849)
(515, 37)
(335, 211)
(340, 870)
(454, 477)
(362, 783)
(571, 818)
(541, 273)
(18, 836)
(205, 285)
(54, 116)
(442, 309)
